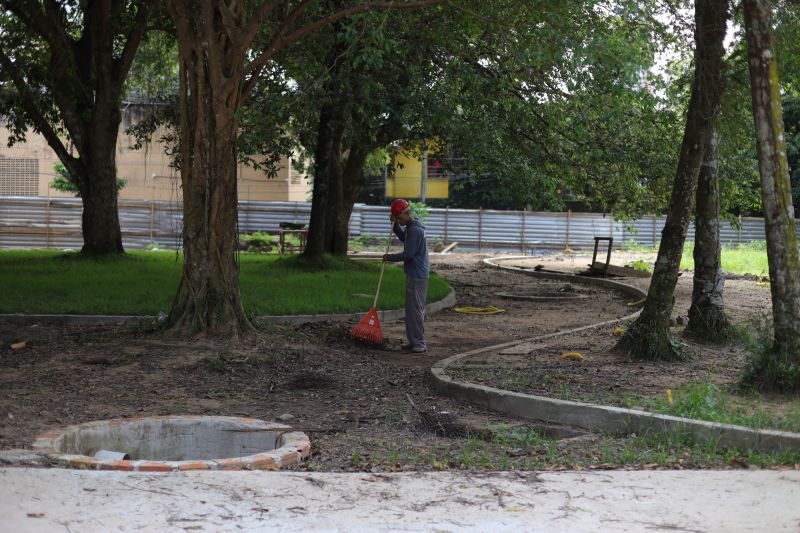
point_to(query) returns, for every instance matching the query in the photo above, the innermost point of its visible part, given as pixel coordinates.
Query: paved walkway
(33, 500)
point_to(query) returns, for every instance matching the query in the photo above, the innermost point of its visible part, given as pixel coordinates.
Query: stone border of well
(126, 320)
(592, 417)
(294, 447)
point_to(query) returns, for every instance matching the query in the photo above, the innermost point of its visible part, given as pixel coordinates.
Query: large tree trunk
(208, 299)
(349, 185)
(328, 151)
(782, 252)
(707, 318)
(100, 221)
(327, 178)
(649, 336)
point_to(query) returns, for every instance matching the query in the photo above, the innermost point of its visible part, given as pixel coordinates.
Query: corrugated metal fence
(34, 222)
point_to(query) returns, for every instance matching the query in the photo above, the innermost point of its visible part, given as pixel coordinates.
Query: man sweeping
(416, 266)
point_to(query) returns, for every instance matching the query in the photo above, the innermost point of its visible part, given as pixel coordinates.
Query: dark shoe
(407, 347)
(419, 349)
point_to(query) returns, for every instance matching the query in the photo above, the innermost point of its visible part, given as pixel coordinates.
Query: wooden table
(284, 247)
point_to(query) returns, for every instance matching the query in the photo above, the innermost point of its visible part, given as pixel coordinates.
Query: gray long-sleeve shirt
(415, 249)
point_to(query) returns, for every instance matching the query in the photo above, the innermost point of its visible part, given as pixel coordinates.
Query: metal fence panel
(37, 222)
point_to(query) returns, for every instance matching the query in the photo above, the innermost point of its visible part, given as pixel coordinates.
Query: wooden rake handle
(383, 266)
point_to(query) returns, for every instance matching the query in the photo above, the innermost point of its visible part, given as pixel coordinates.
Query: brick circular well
(176, 443)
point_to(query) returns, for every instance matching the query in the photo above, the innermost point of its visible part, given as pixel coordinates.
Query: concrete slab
(44, 500)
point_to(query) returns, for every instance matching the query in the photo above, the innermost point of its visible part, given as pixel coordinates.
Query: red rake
(369, 329)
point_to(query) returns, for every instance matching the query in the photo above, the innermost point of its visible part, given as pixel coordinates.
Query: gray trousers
(416, 294)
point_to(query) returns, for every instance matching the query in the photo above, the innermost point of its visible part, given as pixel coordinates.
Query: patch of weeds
(640, 265)
(394, 457)
(516, 437)
(706, 401)
(355, 459)
(434, 462)
(474, 454)
(180, 405)
(667, 449)
(257, 242)
(218, 363)
(511, 381)
(768, 367)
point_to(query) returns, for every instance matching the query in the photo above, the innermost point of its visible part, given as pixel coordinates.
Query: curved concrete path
(615, 420)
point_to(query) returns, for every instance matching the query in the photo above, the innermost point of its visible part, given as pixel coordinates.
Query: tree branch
(123, 64)
(279, 41)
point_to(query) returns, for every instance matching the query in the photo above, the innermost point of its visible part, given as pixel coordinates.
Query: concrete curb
(387, 315)
(592, 417)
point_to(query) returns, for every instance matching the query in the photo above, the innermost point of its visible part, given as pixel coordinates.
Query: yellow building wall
(149, 176)
(407, 180)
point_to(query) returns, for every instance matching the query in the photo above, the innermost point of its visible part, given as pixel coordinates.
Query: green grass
(524, 448)
(699, 401)
(144, 283)
(705, 401)
(747, 258)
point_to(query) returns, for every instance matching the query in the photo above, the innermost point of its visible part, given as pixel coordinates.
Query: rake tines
(369, 329)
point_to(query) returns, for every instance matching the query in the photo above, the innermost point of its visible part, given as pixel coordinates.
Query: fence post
(152, 217)
(47, 222)
(480, 227)
(739, 231)
(611, 225)
(654, 230)
(446, 213)
(522, 235)
(569, 215)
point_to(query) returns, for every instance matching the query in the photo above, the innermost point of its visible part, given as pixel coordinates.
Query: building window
(19, 176)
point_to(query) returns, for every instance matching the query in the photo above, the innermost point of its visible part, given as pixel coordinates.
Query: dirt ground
(355, 401)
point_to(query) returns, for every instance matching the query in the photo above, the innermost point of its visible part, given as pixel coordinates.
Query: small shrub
(64, 183)
(641, 265)
(257, 242)
(216, 364)
(768, 369)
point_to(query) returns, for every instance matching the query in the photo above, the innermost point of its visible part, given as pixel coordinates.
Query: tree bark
(649, 336)
(327, 180)
(349, 183)
(707, 318)
(208, 300)
(98, 184)
(779, 220)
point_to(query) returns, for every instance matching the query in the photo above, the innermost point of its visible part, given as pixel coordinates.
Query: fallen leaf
(19, 345)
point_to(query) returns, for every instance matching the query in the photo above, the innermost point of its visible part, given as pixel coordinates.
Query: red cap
(398, 206)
